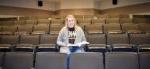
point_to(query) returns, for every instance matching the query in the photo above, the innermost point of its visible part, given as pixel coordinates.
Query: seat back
(48, 39)
(18, 60)
(117, 39)
(9, 39)
(1, 59)
(144, 60)
(121, 60)
(50, 60)
(86, 61)
(29, 39)
(96, 39)
(139, 38)
(112, 28)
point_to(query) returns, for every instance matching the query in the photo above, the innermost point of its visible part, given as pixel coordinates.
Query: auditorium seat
(31, 21)
(131, 28)
(139, 38)
(7, 22)
(94, 28)
(1, 59)
(98, 21)
(145, 27)
(57, 22)
(87, 17)
(119, 42)
(112, 20)
(144, 59)
(97, 42)
(113, 16)
(8, 29)
(9, 39)
(41, 29)
(47, 43)
(24, 29)
(125, 20)
(142, 41)
(139, 19)
(121, 60)
(54, 29)
(43, 21)
(20, 22)
(1, 23)
(18, 60)
(0, 28)
(7, 42)
(112, 28)
(117, 39)
(78, 17)
(27, 43)
(50, 60)
(84, 22)
(88, 60)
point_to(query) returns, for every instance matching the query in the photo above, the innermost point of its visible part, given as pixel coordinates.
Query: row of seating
(88, 60)
(30, 29)
(118, 28)
(118, 41)
(89, 28)
(97, 41)
(27, 42)
(79, 20)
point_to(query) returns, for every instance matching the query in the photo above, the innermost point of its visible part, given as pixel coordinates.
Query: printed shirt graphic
(72, 36)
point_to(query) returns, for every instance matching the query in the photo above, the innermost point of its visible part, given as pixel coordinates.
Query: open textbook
(79, 44)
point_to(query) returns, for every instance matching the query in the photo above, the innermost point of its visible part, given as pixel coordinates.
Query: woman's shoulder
(63, 29)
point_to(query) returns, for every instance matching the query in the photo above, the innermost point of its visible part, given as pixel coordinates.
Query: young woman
(71, 38)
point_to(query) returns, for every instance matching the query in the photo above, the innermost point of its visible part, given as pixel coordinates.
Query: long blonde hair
(70, 16)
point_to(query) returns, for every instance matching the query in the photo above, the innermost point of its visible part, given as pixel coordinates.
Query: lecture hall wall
(76, 7)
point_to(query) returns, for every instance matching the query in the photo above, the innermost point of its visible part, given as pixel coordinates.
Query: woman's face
(70, 22)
